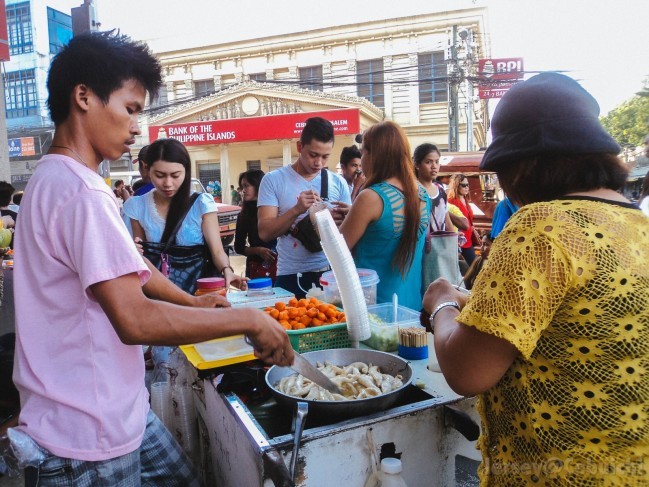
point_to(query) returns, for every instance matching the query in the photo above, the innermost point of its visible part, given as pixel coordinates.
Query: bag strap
(172, 237)
(324, 183)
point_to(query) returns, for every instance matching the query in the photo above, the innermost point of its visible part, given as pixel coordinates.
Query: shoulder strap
(172, 237)
(324, 183)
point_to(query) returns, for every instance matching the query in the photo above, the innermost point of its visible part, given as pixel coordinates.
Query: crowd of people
(554, 337)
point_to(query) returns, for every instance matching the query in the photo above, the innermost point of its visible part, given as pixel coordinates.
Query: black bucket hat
(548, 114)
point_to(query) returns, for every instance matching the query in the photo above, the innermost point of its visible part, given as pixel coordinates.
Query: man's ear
(81, 97)
(299, 146)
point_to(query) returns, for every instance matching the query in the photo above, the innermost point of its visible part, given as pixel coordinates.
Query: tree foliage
(629, 122)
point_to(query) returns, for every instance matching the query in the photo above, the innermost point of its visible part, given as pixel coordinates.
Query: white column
(225, 175)
(286, 153)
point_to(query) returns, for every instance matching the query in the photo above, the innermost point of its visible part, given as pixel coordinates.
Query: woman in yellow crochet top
(555, 336)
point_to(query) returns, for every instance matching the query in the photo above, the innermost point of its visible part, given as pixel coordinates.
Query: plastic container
(384, 329)
(262, 286)
(369, 280)
(207, 285)
(391, 473)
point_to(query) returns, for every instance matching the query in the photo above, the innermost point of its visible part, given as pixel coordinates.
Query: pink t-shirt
(81, 389)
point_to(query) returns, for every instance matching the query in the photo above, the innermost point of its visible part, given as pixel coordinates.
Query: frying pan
(387, 363)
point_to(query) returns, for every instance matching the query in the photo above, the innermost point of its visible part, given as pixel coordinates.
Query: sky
(602, 43)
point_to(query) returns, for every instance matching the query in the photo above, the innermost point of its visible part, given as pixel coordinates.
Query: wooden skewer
(413, 337)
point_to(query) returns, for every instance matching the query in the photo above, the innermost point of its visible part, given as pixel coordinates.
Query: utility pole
(454, 79)
(459, 72)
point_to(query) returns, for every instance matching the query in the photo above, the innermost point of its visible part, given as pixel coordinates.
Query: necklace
(79, 158)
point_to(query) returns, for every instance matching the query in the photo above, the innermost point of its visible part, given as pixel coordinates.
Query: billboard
(24, 146)
(272, 127)
(4, 36)
(496, 76)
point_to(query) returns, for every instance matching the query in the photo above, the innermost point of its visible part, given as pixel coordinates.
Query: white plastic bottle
(391, 473)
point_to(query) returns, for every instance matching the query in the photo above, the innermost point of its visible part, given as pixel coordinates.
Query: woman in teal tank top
(386, 225)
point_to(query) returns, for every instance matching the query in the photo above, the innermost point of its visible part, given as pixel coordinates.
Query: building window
(311, 78)
(19, 25)
(258, 77)
(59, 28)
(369, 76)
(203, 87)
(20, 94)
(208, 172)
(433, 85)
(160, 101)
(250, 165)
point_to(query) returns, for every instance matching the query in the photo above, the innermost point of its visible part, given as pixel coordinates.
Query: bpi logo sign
(498, 75)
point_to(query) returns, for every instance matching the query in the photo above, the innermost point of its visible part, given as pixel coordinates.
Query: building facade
(37, 30)
(397, 69)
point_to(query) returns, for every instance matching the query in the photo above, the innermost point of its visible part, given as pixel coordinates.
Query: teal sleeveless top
(378, 244)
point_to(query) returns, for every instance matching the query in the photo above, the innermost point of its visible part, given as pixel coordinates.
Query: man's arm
(139, 320)
(160, 288)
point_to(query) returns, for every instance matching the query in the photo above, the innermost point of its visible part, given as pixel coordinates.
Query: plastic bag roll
(349, 284)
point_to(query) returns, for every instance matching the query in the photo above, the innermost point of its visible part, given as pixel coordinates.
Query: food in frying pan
(356, 381)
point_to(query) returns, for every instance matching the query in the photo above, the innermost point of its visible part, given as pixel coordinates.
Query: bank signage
(496, 76)
(272, 127)
(24, 146)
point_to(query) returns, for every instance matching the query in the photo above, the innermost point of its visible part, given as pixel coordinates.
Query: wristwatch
(440, 307)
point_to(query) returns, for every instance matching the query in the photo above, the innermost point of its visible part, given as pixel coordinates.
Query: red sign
(496, 76)
(287, 126)
(4, 37)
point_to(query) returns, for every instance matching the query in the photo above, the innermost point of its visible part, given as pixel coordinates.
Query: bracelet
(226, 267)
(440, 307)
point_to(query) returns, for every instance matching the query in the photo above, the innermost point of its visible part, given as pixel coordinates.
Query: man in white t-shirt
(86, 300)
(285, 196)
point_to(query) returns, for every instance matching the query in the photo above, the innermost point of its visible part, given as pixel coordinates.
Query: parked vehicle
(227, 215)
(483, 185)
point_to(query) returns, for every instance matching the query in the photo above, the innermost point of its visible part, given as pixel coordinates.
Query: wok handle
(302, 409)
(462, 422)
(276, 469)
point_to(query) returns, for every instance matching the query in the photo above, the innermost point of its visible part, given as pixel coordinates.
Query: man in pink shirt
(85, 298)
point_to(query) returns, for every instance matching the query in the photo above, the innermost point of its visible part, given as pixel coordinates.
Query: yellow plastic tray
(218, 352)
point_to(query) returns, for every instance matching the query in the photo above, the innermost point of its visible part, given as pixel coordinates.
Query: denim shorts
(158, 462)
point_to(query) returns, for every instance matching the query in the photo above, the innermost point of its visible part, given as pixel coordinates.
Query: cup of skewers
(413, 343)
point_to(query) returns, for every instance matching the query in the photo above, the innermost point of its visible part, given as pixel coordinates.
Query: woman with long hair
(554, 337)
(459, 195)
(155, 214)
(261, 258)
(387, 223)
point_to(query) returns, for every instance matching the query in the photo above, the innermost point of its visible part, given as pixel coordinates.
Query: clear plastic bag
(18, 451)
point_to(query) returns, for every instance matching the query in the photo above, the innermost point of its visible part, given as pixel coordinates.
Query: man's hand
(211, 300)
(306, 199)
(271, 342)
(339, 211)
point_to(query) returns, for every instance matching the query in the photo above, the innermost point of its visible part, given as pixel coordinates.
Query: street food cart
(247, 438)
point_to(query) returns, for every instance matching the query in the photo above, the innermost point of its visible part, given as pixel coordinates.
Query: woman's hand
(264, 253)
(231, 279)
(138, 245)
(440, 291)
